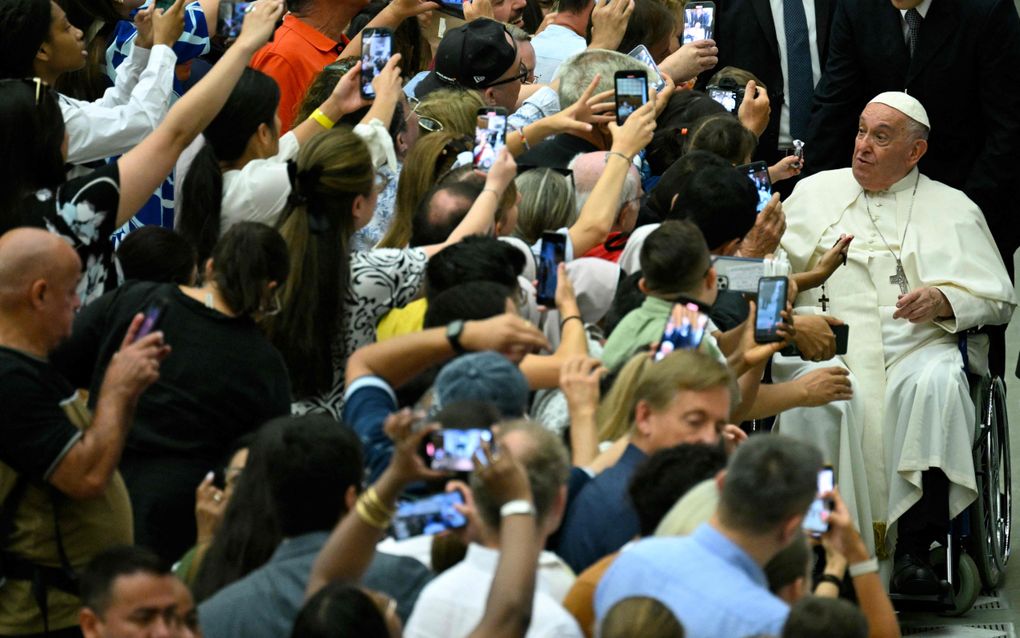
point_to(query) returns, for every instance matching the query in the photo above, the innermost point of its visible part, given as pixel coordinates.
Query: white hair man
(587, 168)
(921, 269)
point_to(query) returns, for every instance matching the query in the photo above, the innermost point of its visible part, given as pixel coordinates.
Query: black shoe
(912, 576)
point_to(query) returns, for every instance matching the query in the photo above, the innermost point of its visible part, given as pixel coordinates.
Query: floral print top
(83, 211)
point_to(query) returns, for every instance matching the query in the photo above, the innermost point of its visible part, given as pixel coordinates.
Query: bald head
(30, 254)
(588, 167)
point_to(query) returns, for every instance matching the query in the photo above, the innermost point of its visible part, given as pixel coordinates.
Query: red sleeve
(291, 91)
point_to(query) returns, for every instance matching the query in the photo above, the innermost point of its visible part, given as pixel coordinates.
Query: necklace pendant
(900, 278)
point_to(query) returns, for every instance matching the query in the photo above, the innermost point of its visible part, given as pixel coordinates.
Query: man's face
(506, 94)
(65, 45)
(60, 301)
(885, 150)
(527, 51)
(903, 5)
(509, 11)
(694, 416)
(187, 612)
(142, 605)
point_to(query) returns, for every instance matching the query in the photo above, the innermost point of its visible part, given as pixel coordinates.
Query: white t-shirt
(454, 603)
(552, 47)
(258, 192)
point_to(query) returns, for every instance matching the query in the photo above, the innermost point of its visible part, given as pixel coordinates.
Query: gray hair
(547, 203)
(583, 186)
(578, 71)
(546, 463)
(770, 478)
(517, 34)
(916, 130)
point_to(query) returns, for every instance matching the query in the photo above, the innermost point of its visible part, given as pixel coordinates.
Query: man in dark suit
(753, 35)
(964, 69)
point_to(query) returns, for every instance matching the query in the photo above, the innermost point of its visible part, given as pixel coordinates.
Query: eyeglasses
(430, 124)
(523, 76)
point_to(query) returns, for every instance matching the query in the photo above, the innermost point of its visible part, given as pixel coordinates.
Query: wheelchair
(977, 548)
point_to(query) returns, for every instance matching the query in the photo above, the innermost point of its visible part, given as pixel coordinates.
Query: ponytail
(201, 203)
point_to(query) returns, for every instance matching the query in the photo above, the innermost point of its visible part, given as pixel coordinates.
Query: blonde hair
(430, 158)
(656, 383)
(455, 109)
(641, 616)
(547, 203)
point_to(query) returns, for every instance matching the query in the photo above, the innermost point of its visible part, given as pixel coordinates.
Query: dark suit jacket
(966, 73)
(746, 36)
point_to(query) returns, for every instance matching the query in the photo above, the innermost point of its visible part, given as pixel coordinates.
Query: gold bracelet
(373, 497)
(620, 155)
(322, 119)
(369, 518)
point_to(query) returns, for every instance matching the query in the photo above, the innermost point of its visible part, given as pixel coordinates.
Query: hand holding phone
(641, 52)
(490, 136)
(758, 173)
(684, 330)
(153, 315)
(772, 293)
(816, 521)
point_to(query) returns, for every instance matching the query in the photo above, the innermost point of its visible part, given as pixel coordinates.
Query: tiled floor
(999, 616)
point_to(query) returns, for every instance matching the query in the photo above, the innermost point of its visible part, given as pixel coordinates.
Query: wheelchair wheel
(968, 581)
(991, 513)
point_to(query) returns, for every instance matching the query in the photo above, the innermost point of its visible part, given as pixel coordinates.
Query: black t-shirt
(35, 432)
(557, 151)
(83, 211)
(221, 380)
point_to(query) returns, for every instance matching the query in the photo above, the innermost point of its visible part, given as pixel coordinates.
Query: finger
(129, 336)
(591, 88)
(207, 481)
(604, 97)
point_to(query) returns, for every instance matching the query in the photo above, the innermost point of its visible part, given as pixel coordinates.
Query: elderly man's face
(886, 148)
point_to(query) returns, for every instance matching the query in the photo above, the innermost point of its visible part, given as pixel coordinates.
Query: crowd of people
(281, 360)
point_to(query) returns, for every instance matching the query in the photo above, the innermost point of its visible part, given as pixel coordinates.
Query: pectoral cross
(900, 278)
(824, 300)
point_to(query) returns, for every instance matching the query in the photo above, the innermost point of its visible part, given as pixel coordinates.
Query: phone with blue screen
(684, 330)
(816, 521)
(758, 173)
(553, 253)
(428, 516)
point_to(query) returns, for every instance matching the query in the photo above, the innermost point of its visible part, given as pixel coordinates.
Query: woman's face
(64, 49)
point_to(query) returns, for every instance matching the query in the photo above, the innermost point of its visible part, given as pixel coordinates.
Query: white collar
(921, 8)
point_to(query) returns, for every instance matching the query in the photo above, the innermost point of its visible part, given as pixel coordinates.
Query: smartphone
(740, 274)
(490, 136)
(453, 450)
(164, 4)
(428, 516)
(376, 49)
(454, 8)
(152, 316)
(771, 302)
(230, 19)
(640, 52)
(816, 521)
(631, 93)
(842, 337)
(729, 98)
(553, 253)
(758, 173)
(698, 21)
(684, 330)
(798, 152)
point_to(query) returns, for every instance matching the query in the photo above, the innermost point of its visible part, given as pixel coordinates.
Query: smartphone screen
(771, 302)
(553, 253)
(641, 53)
(490, 137)
(453, 450)
(452, 7)
(631, 93)
(152, 316)
(376, 48)
(428, 516)
(726, 97)
(698, 19)
(684, 330)
(164, 4)
(816, 521)
(758, 173)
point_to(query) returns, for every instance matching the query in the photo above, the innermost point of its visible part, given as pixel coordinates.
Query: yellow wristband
(322, 119)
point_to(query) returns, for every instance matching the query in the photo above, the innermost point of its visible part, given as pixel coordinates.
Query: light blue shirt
(712, 586)
(554, 45)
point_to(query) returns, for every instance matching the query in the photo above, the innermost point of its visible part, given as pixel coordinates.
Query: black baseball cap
(472, 56)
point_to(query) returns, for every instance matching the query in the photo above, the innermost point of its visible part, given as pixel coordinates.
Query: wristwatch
(520, 506)
(453, 331)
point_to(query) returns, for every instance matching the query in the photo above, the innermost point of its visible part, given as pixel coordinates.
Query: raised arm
(390, 17)
(599, 212)
(144, 167)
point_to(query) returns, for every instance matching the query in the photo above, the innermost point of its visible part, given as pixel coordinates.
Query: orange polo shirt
(295, 56)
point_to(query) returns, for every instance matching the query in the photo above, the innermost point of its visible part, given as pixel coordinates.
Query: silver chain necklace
(900, 277)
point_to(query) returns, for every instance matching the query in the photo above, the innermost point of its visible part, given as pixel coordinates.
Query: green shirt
(643, 326)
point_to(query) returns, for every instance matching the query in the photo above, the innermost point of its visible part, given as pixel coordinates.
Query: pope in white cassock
(922, 267)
